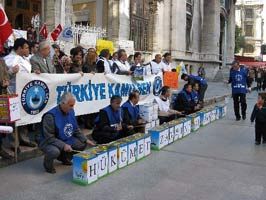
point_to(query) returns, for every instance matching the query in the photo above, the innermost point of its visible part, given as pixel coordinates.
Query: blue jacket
(132, 110)
(184, 102)
(113, 117)
(195, 96)
(239, 80)
(197, 79)
(66, 124)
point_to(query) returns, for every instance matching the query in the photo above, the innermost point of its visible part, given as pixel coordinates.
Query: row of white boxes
(102, 160)
(167, 133)
(149, 112)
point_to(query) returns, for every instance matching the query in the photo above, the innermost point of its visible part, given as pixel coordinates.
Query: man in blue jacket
(191, 79)
(110, 124)
(60, 134)
(185, 102)
(131, 110)
(240, 86)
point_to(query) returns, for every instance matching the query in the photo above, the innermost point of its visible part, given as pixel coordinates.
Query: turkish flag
(56, 32)
(5, 27)
(44, 31)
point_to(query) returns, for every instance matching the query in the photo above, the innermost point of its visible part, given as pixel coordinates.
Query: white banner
(40, 93)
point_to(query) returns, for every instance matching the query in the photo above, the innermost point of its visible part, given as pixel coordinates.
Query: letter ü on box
(102, 160)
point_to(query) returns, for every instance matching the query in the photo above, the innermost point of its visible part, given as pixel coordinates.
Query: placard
(9, 108)
(170, 79)
(88, 40)
(128, 45)
(104, 44)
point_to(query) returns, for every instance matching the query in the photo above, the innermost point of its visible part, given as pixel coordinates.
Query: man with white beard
(121, 66)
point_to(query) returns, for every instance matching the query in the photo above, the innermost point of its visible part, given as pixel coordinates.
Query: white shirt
(156, 68)
(122, 66)
(167, 67)
(163, 105)
(11, 61)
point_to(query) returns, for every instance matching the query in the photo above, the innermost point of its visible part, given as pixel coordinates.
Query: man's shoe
(48, 166)
(244, 117)
(5, 155)
(238, 118)
(257, 143)
(49, 170)
(67, 162)
(64, 161)
(263, 142)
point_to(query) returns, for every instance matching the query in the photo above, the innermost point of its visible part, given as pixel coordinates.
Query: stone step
(29, 152)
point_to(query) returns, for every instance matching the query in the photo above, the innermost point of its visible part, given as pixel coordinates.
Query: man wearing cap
(240, 86)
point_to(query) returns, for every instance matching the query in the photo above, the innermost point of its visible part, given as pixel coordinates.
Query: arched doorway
(19, 21)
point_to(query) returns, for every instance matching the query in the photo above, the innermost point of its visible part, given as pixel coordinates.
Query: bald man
(61, 134)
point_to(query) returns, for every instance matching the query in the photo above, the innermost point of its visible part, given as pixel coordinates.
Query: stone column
(69, 11)
(113, 20)
(49, 13)
(211, 30)
(177, 41)
(231, 35)
(99, 13)
(124, 19)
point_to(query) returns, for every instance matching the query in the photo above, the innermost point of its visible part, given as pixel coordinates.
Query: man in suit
(41, 62)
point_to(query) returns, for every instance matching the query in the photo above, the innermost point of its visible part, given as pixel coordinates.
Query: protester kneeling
(186, 101)
(131, 112)
(109, 125)
(166, 114)
(61, 135)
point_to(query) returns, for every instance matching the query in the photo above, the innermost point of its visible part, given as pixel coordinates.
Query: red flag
(56, 32)
(5, 27)
(44, 31)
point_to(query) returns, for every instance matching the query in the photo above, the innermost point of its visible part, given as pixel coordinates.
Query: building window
(249, 30)
(248, 13)
(139, 24)
(35, 7)
(249, 48)
(189, 19)
(9, 3)
(23, 4)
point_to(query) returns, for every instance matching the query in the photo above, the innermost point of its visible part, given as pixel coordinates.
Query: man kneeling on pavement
(61, 134)
(131, 112)
(110, 124)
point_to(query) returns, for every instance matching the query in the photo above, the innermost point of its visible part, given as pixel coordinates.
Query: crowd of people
(260, 78)
(112, 122)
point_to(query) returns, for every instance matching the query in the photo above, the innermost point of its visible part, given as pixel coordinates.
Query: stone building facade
(20, 12)
(194, 31)
(250, 17)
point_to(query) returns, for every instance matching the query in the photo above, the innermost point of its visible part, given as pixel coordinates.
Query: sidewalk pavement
(217, 162)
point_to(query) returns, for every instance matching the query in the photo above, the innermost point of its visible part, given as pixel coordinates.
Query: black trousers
(202, 91)
(259, 84)
(260, 132)
(240, 98)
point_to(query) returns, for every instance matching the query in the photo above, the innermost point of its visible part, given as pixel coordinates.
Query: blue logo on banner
(67, 34)
(34, 97)
(157, 85)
